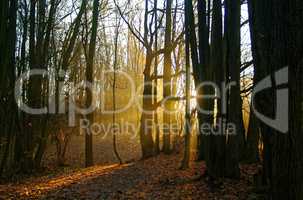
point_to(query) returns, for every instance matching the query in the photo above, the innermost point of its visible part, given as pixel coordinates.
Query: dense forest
(151, 99)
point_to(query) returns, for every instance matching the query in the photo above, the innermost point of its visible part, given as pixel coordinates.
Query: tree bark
(89, 78)
(233, 63)
(187, 130)
(167, 81)
(197, 71)
(7, 61)
(146, 121)
(276, 30)
(114, 90)
(252, 141)
(156, 121)
(216, 147)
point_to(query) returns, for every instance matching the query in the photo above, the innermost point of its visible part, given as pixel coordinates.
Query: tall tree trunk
(146, 121)
(89, 77)
(43, 62)
(187, 131)
(277, 34)
(33, 94)
(167, 80)
(233, 62)
(114, 91)
(7, 61)
(216, 143)
(156, 120)
(197, 70)
(206, 106)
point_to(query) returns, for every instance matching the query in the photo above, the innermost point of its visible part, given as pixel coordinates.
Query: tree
(33, 139)
(114, 88)
(89, 78)
(145, 132)
(148, 106)
(206, 105)
(155, 92)
(233, 63)
(8, 15)
(187, 130)
(167, 80)
(195, 62)
(216, 147)
(277, 43)
(146, 138)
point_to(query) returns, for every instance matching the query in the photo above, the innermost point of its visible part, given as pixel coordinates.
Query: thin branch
(133, 30)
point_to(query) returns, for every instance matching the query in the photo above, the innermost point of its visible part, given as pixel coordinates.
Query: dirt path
(156, 178)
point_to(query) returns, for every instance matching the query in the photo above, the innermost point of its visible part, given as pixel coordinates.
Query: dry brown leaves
(155, 178)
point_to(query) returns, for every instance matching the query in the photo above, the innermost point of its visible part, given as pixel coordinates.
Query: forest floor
(154, 178)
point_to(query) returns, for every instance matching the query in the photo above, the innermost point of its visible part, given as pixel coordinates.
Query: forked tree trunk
(146, 121)
(197, 71)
